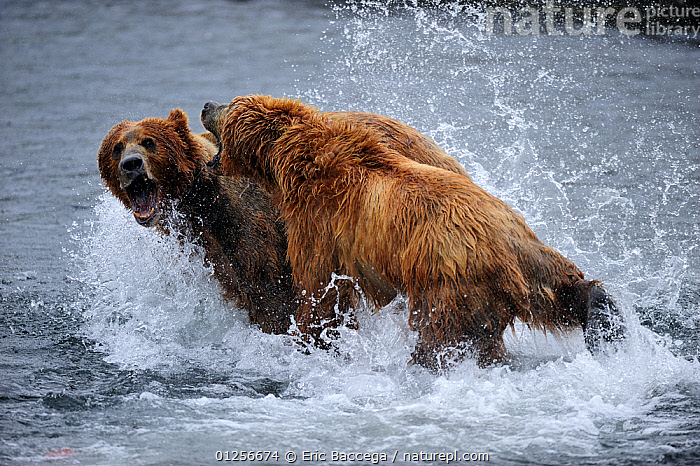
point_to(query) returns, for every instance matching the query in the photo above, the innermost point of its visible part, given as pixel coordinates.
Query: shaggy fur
(234, 219)
(335, 305)
(353, 205)
(395, 134)
(157, 166)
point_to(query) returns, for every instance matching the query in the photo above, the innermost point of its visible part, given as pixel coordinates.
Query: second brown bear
(354, 206)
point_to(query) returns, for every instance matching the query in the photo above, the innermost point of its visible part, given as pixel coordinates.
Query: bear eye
(117, 151)
(148, 144)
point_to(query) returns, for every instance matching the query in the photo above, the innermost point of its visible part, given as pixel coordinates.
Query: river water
(116, 348)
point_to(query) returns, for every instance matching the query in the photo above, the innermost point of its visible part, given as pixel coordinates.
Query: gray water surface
(116, 347)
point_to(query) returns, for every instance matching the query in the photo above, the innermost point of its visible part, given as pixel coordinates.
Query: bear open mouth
(143, 194)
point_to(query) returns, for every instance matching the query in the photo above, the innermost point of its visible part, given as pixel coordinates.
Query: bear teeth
(143, 195)
(150, 212)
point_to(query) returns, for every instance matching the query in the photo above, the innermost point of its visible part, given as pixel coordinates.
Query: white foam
(153, 305)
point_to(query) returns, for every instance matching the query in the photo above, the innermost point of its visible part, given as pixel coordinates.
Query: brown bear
(337, 300)
(156, 166)
(355, 206)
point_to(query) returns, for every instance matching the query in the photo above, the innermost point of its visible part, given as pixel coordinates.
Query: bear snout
(131, 164)
(210, 116)
(130, 168)
(211, 104)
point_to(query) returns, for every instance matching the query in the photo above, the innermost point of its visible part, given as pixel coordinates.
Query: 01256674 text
(247, 455)
(305, 456)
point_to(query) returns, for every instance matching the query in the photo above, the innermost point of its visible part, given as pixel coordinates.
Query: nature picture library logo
(672, 20)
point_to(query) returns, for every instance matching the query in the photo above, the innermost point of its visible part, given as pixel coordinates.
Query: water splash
(537, 122)
(153, 302)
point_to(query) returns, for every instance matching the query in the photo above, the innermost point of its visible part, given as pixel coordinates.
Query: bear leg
(491, 351)
(440, 346)
(436, 358)
(318, 319)
(600, 318)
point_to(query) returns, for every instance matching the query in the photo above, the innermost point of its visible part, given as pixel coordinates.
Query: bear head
(151, 163)
(248, 130)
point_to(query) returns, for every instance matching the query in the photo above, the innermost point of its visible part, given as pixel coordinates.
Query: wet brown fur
(233, 219)
(241, 231)
(468, 263)
(335, 306)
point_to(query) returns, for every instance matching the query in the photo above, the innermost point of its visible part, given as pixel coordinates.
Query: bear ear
(178, 119)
